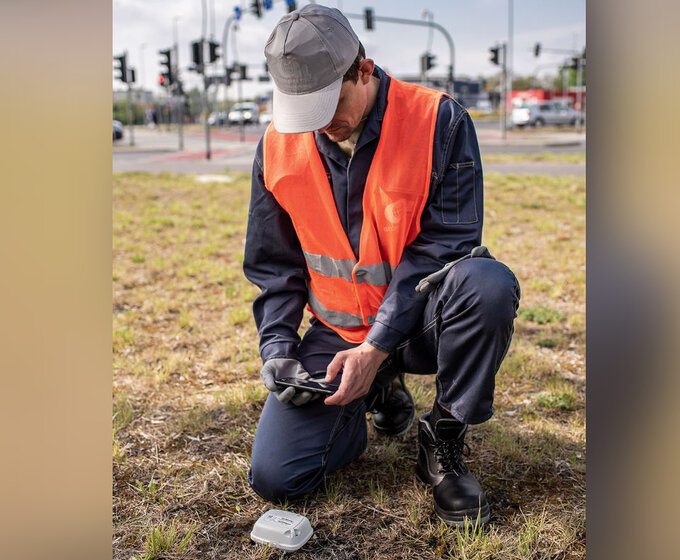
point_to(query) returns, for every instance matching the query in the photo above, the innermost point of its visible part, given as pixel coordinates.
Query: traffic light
(161, 80)
(132, 76)
(256, 8)
(122, 68)
(166, 67)
(426, 62)
(197, 55)
(574, 63)
(494, 55)
(368, 18)
(243, 69)
(213, 47)
(292, 5)
(537, 49)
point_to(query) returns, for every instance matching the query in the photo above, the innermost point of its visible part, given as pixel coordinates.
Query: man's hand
(359, 367)
(278, 368)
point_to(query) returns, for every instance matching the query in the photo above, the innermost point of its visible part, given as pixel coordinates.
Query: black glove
(278, 368)
(427, 284)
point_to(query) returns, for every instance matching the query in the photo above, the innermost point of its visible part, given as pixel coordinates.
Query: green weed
(165, 539)
(540, 314)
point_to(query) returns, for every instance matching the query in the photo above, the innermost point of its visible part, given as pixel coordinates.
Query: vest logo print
(393, 214)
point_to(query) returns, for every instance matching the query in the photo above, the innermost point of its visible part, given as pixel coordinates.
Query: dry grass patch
(187, 394)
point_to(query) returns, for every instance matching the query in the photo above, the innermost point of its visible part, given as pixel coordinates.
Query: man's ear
(366, 70)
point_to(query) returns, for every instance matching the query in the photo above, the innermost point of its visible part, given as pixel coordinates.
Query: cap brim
(305, 112)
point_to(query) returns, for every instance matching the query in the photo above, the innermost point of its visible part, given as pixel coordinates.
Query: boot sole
(472, 516)
(460, 518)
(402, 431)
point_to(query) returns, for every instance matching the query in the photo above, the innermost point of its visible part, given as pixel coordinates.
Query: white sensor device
(282, 529)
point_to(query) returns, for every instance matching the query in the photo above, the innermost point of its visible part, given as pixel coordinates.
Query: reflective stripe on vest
(375, 274)
(345, 291)
(337, 318)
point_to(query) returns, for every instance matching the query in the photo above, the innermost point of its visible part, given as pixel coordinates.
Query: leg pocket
(458, 195)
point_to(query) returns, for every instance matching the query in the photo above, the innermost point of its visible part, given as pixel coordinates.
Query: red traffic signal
(161, 80)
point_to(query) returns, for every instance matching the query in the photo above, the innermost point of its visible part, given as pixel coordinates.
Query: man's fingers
(269, 382)
(345, 393)
(302, 397)
(336, 399)
(286, 395)
(334, 367)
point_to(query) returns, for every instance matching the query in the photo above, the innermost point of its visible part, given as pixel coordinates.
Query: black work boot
(457, 494)
(394, 410)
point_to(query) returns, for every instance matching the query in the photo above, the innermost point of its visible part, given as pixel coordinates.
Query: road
(157, 150)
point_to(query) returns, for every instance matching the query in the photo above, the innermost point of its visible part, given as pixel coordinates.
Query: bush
(120, 112)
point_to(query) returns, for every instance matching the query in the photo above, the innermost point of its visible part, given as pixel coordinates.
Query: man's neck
(374, 86)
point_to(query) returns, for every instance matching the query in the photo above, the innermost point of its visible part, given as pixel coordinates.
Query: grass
(187, 394)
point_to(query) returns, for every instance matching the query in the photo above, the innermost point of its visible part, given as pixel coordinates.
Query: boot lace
(450, 455)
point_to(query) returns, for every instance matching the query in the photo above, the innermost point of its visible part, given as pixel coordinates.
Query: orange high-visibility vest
(345, 292)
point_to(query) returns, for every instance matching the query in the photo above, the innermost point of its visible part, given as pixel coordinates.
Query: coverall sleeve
(451, 225)
(274, 262)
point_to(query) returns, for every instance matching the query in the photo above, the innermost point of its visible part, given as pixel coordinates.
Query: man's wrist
(375, 351)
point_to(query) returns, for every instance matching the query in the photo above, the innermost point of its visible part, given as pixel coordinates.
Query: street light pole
(579, 96)
(508, 54)
(504, 92)
(180, 97)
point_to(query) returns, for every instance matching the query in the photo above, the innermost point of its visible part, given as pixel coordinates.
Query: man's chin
(339, 136)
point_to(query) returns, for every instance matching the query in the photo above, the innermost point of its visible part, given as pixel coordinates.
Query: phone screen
(314, 386)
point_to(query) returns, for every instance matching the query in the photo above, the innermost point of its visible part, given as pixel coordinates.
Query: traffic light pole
(579, 94)
(178, 89)
(504, 93)
(205, 112)
(430, 24)
(129, 111)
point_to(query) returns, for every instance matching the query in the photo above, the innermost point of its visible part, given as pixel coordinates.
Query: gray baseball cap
(308, 53)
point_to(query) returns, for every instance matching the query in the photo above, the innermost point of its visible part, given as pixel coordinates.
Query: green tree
(523, 82)
(120, 112)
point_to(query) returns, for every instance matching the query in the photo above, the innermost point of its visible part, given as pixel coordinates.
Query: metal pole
(579, 78)
(449, 40)
(242, 123)
(129, 106)
(510, 54)
(205, 116)
(225, 34)
(129, 115)
(180, 126)
(504, 98)
(168, 100)
(206, 109)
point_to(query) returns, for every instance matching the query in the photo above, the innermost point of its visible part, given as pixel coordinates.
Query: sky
(143, 27)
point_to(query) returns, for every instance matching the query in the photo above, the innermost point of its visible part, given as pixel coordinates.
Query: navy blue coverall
(460, 331)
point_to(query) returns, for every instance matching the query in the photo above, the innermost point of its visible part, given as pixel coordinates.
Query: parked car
(483, 106)
(544, 113)
(117, 130)
(217, 119)
(243, 112)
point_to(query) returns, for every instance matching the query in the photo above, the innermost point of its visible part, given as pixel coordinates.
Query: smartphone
(313, 386)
